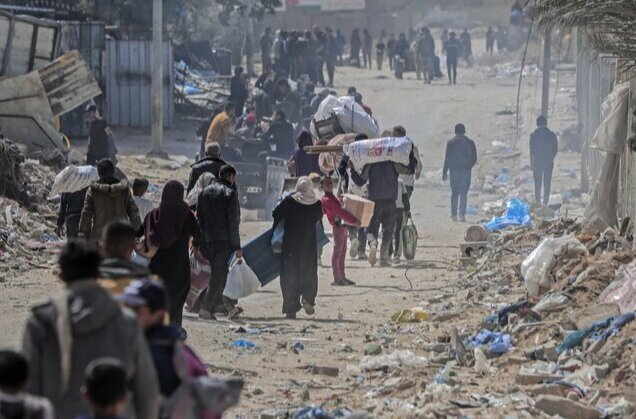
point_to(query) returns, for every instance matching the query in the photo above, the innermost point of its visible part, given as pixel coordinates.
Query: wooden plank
(316, 149)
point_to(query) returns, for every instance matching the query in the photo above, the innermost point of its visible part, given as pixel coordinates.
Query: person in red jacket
(337, 215)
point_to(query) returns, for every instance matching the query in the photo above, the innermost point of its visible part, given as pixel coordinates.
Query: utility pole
(547, 63)
(248, 48)
(157, 80)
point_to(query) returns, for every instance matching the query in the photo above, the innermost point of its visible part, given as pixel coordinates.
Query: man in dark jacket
(238, 91)
(219, 217)
(543, 149)
(426, 55)
(100, 145)
(71, 205)
(107, 200)
(63, 335)
(266, 46)
(280, 137)
(461, 156)
(453, 49)
(383, 190)
(211, 163)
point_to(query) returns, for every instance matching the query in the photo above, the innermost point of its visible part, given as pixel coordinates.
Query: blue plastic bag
(242, 343)
(517, 214)
(277, 237)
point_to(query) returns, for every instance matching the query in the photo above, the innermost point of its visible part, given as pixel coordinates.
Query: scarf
(163, 225)
(304, 193)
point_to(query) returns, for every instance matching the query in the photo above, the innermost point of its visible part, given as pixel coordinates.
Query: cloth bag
(241, 280)
(409, 239)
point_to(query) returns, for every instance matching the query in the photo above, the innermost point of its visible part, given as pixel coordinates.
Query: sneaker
(373, 255)
(384, 263)
(454, 217)
(396, 259)
(362, 256)
(206, 315)
(308, 307)
(234, 312)
(290, 316)
(462, 218)
(349, 282)
(353, 250)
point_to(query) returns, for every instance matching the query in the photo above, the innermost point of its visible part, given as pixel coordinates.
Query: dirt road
(347, 319)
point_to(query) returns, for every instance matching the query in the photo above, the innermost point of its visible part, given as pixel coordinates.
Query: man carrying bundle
(383, 191)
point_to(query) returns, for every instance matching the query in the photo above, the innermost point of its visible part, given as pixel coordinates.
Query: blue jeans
(460, 184)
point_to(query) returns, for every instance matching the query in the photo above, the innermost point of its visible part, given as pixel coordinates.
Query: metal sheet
(127, 72)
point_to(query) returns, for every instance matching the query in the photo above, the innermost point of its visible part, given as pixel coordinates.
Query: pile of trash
(27, 218)
(550, 331)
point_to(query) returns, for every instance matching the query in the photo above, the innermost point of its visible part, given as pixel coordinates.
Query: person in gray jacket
(543, 149)
(63, 335)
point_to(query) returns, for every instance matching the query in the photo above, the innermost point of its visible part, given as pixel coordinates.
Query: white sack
(352, 117)
(74, 178)
(394, 149)
(611, 135)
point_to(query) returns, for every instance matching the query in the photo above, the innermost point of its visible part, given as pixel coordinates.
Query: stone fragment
(569, 409)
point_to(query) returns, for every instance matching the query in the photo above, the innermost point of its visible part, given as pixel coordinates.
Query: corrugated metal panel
(89, 38)
(128, 77)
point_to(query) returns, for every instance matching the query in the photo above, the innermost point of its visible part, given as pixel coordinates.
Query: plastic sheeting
(610, 137)
(74, 178)
(622, 290)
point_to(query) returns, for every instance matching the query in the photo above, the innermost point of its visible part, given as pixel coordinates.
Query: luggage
(409, 239)
(241, 280)
(395, 149)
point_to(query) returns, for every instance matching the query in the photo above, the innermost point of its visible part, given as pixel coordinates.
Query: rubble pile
(27, 218)
(493, 348)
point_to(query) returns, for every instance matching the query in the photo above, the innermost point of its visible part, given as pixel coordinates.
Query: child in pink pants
(332, 207)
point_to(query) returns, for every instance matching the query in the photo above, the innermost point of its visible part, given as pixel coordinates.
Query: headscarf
(304, 192)
(203, 182)
(164, 224)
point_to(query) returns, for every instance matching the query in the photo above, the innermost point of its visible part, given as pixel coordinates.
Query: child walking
(336, 215)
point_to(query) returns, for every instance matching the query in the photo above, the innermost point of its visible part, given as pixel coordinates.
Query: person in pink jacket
(337, 215)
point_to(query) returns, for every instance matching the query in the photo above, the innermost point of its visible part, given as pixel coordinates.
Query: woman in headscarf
(300, 212)
(305, 163)
(168, 230)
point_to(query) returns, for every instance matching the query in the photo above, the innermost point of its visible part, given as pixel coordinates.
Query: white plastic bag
(394, 149)
(74, 178)
(536, 267)
(241, 280)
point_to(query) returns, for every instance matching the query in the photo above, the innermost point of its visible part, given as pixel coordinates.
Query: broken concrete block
(528, 378)
(585, 317)
(569, 409)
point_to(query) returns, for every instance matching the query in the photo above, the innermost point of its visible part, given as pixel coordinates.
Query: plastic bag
(535, 269)
(517, 214)
(409, 239)
(411, 315)
(241, 281)
(277, 237)
(74, 178)
(394, 149)
(622, 290)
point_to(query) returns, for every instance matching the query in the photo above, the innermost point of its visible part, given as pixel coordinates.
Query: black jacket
(461, 154)
(543, 148)
(383, 178)
(281, 133)
(205, 165)
(219, 214)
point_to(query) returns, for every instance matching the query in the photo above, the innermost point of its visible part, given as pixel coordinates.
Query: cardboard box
(361, 208)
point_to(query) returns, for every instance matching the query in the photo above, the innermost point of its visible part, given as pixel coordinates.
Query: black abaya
(299, 269)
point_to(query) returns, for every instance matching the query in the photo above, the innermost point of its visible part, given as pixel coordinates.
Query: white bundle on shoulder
(74, 178)
(394, 149)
